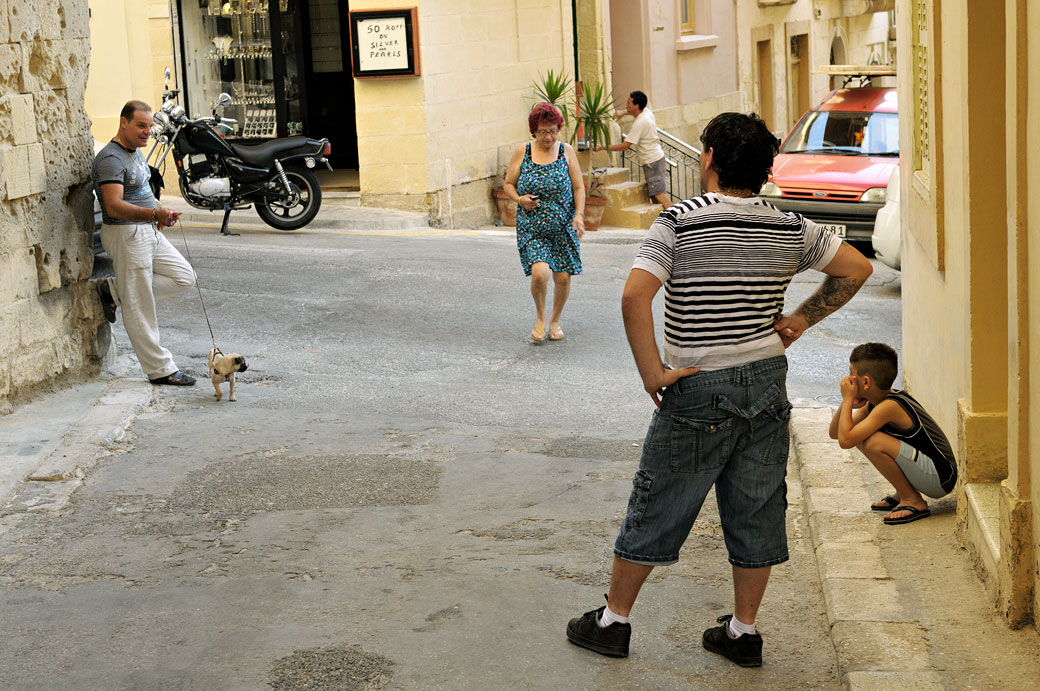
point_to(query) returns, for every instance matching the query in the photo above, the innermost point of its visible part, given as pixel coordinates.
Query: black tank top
(925, 436)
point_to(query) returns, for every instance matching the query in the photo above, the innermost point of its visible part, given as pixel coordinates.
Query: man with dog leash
(147, 266)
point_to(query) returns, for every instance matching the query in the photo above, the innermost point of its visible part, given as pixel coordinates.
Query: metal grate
(922, 124)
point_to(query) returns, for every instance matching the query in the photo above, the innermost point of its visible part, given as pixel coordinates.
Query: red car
(834, 165)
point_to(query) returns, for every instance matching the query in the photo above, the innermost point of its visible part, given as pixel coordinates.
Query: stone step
(348, 199)
(610, 176)
(626, 194)
(336, 213)
(635, 216)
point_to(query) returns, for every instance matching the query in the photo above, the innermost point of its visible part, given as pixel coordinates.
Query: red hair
(544, 112)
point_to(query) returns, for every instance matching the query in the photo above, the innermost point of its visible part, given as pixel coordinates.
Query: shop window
(228, 47)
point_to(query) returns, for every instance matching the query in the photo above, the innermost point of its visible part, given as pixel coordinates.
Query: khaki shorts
(654, 173)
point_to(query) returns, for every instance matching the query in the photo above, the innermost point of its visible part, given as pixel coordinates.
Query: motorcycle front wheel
(299, 208)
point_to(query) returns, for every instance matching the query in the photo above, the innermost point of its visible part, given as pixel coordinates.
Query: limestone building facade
(969, 79)
(51, 320)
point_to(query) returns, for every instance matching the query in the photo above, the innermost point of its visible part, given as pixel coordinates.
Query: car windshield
(845, 132)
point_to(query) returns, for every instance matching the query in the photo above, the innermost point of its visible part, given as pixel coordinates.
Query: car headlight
(769, 189)
(875, 195)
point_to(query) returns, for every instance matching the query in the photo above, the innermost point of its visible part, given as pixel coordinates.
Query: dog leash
(187, 251)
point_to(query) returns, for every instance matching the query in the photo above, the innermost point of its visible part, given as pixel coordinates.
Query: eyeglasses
(547, 133)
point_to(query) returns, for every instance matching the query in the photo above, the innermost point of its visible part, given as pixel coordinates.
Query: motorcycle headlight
(875, 195)
(159, 122)
(769, 189)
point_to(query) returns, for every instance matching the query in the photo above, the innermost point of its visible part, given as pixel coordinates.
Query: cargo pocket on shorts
(778, 418)
(639, 499)
(699, 445)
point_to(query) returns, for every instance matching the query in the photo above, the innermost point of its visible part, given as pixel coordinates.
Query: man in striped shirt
(725, 260)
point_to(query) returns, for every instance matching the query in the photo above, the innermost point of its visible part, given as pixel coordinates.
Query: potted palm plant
(593, 113)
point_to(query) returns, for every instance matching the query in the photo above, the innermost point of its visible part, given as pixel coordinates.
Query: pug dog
(223, 367)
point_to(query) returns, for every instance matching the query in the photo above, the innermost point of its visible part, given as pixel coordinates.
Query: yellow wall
(422, 140)
(130, 44)
(1029, 159)
(971, 237)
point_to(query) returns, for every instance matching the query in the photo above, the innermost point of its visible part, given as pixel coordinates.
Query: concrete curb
(878, 644)
(95, 434)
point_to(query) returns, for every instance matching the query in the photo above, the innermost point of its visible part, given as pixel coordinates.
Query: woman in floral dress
(544, 179)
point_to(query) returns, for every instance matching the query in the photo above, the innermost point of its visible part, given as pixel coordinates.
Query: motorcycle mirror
(223, 100)
(166, 76)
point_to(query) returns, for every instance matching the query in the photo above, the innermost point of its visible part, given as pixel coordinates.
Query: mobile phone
(534, 197)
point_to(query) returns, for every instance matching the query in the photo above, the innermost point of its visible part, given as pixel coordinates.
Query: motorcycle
(275, 176)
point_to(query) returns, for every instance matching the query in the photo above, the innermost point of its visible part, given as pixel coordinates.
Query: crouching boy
(895, 433)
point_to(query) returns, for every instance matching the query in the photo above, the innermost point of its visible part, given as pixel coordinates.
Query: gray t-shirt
(114, 164)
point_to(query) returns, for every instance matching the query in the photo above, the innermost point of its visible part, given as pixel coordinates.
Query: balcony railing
(684, 166)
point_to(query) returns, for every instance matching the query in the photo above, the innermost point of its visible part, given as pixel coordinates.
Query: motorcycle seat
(264, 154)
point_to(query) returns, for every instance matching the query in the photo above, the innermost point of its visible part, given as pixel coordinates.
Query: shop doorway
(330, 85)
(766, 95)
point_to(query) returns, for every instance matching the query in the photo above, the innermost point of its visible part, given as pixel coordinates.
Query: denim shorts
(728, 428)
(920, 471)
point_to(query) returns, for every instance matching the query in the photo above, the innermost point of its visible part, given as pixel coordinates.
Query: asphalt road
(407, 494)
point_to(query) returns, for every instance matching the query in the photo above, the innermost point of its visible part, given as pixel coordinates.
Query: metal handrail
(684, 166)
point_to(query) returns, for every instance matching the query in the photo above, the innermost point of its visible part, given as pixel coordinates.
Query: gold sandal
(556, 334)
(536, 337)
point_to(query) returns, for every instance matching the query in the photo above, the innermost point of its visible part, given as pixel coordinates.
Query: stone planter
(594, 207)
(506, 207)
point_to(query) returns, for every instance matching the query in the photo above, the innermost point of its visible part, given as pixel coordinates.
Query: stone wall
(51, 320)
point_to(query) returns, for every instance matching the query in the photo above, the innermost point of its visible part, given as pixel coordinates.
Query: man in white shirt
(644, 140)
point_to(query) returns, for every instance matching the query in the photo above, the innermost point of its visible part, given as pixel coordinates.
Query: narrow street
(407, 494)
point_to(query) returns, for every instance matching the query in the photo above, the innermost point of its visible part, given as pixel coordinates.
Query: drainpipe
(574, 28)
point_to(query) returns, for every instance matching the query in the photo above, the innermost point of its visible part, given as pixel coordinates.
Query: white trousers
(147, 267)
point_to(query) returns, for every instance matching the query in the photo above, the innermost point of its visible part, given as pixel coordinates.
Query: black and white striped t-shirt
(725, 263)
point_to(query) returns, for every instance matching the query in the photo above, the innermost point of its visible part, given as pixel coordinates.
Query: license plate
(836, 228)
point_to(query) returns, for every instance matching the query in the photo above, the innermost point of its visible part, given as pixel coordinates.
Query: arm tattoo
(832, 294)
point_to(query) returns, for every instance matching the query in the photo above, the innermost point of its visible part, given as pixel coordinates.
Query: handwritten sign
(382, 44)
(385, 43)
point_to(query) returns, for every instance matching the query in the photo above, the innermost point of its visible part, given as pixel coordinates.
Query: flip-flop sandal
(108, 304)
(556, 334)
(178, 378)
(534, 336)
(890, 503)
(915, 515)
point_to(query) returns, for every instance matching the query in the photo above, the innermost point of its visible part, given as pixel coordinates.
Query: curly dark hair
(544, 113)
(742, 150)
(879, 360)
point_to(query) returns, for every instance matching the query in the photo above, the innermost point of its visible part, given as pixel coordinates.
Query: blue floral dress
(545, 234)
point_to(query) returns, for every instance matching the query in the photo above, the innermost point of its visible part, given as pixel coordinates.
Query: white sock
(609, 618)
(736, 628)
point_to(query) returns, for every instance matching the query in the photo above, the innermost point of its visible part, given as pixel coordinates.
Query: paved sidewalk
(48, 444)
(905, 608)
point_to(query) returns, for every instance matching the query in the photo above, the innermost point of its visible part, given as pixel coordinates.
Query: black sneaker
(746, 651)
(108, 303)
(611, 640)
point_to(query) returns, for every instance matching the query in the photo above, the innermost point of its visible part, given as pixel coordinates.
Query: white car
(887, 229)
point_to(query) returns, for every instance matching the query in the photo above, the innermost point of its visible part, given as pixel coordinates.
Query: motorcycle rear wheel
(279, 214)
